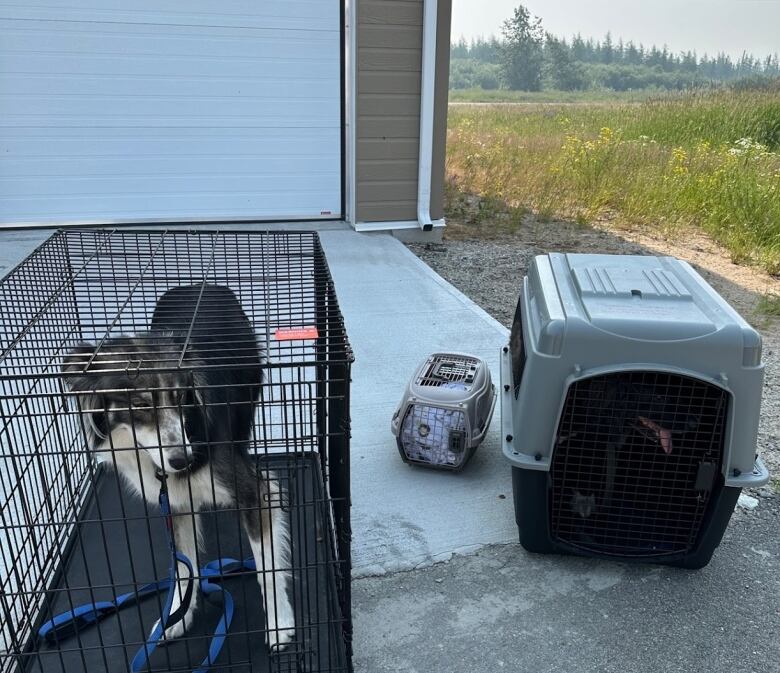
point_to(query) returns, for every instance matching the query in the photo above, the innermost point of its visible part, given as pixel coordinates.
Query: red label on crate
(296, 333)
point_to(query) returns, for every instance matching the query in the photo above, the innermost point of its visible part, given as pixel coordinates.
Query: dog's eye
(141, 403)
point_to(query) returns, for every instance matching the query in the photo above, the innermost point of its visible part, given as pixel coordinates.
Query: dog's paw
(281, 631)
(178, 629)
(279, 639)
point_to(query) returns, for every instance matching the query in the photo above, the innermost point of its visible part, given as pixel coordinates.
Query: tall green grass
(709, 161)
(548, 96)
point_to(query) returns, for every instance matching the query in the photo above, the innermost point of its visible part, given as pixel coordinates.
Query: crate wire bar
(72, 533)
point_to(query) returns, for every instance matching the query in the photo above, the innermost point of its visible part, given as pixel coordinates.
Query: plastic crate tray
(98, 567)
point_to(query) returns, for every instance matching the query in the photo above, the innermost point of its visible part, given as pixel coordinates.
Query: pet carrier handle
(480, 434)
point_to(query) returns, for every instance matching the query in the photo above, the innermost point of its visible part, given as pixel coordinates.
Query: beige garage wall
(389, 57)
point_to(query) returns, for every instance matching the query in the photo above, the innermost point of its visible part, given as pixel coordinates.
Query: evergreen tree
(689, 62)
(459, 49)
(632, 56)
(487, 51)
(665, 59)
(772, 66)
(564, 73)
(578, 48)
(620, 51)
(522, 51)
(591, 51)
(526, 57)
(607, 50)
(653, 57)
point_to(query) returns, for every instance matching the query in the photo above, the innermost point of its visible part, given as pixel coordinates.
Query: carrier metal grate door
(637, 457)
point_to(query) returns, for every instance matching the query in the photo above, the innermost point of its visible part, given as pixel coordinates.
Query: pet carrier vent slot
(636, 459)
(443, 369)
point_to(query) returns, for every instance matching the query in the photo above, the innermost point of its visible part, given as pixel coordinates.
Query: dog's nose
(178, 462)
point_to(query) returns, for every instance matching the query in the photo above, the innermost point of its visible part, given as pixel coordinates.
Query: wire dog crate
(630, 407)
(209, 372)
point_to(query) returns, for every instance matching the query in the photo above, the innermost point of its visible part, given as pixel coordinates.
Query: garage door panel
(88, 36)
(89, 39)
(164, 144)
(287, 166)
(309, 84)
(169, 207)
(291, 14)
(186, 69)
(24, 187)
(184, 111)
(169, 110)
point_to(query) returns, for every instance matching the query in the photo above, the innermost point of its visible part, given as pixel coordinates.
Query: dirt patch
(488, 265)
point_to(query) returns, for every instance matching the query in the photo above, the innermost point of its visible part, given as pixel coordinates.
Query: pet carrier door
(637, 459)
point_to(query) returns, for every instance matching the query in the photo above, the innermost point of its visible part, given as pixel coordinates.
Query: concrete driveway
(503, 609)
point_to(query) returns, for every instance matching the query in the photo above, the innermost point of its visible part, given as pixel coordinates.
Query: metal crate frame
(93, 284)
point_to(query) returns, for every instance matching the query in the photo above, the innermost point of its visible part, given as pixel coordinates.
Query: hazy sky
(732, 26)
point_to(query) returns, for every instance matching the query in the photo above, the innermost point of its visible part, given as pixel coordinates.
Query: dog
(180, 400)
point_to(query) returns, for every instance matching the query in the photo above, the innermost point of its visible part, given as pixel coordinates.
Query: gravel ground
(489, 270)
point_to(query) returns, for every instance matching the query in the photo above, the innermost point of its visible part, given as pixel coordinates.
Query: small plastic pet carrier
(244, 565)
(631, 394)
(445, 412)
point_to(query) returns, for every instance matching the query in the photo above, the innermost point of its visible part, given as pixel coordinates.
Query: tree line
(528, 58)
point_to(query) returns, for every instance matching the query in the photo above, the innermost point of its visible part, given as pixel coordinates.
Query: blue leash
(70, 622)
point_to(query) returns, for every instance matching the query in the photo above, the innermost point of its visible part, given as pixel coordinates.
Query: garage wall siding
(389, 59)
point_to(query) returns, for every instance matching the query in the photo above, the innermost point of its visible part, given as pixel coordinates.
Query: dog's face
(125, 407)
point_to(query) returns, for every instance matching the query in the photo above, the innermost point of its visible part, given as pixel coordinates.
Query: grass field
(565, 97)
(701, 160)
(549, 96)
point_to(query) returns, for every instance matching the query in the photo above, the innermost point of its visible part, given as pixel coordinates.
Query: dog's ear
(75, 362)
(206, 416)
(93, 417)
(90, 405)
(195, 408)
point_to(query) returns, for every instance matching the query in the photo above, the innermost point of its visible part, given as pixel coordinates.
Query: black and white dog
(149, 404)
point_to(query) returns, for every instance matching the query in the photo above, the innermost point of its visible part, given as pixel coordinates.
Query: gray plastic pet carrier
(445, 411)
(631, 394)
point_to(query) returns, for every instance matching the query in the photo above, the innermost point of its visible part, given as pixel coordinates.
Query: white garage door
(169, 110)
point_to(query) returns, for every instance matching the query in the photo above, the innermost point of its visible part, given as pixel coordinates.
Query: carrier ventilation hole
(443, 369)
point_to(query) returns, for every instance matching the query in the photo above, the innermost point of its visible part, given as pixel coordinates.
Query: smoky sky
(731, 26)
